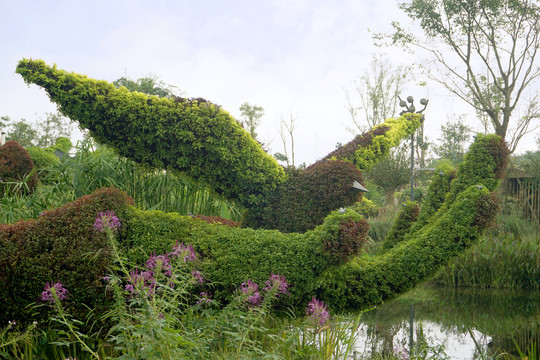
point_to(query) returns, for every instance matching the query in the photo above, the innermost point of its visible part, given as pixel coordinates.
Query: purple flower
(276, 281)
(183, 251)
(205, 298)
(316, 311)
(197, 276)
(106, 220)
(401, 353)
(51, 289)
(159, 261)
(143, 280)
(106, 278)
(252, 290)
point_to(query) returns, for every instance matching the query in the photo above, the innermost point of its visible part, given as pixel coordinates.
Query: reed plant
(500, 260)
(94, 167)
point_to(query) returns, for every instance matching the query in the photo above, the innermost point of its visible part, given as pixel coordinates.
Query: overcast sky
(290, 57)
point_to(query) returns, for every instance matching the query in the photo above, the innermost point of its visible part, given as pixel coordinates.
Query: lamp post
(409, 108)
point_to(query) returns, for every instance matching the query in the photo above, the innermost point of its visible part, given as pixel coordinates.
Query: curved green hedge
(193, 136)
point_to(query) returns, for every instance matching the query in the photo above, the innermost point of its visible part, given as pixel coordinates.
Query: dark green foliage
(484, 164)
(60, 245)
(405, 219)
(15, 166)
(436, 193)
(190, 135)
(304, 200)
(230, 256)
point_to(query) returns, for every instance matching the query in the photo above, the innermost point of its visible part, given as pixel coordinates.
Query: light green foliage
(150, 84)
(365, 157)
(42, 157)
(22, 132)
(51, 128)
(251, 115)
(451, 144)
(193, 136)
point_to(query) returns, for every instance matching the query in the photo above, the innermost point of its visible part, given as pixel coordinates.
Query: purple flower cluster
(316, 311)
(275, 285)
(205, 298)
(401, 352)
(106, 220)
(51, 289)
(183, 251)
(277, 282)
(252, 290)
(146, 282)
(160, 262)
(143, 280)
(197, 276)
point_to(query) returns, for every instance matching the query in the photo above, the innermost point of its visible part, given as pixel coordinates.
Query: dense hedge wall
(193, 136)
(230, 256)
(308, 196)
(15, 166)
(60, 245)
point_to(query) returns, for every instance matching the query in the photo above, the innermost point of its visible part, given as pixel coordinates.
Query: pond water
(453, 323)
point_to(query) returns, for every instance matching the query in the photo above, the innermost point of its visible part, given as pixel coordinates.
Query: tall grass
(507, 257)
(94, 167)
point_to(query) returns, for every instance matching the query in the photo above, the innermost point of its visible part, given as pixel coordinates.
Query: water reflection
(459, 323)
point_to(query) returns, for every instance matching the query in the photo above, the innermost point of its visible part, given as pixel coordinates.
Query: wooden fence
(526, 192)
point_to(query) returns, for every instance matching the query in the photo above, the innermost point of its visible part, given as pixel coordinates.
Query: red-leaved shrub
(60, 245)
(15, 165)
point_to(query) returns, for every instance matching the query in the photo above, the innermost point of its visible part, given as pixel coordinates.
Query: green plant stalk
(60, 311)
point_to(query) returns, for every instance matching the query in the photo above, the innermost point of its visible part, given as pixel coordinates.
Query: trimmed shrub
(42, 158)
(60, 245)
(63, 144)
(405, 219)
(190, 135)
(367, 281)
(15, 166)
(230, 256)
(308, 196)
(366, 149)
(436, 193)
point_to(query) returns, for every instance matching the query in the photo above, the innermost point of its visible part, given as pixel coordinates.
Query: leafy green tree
(377, 91)
(50, 128)
(150, 84)
(453, 141)
(22, 132)
(484, 52)
(251, 117)
(391, 173)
